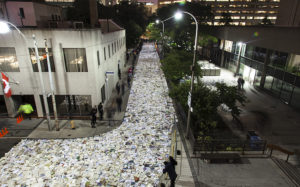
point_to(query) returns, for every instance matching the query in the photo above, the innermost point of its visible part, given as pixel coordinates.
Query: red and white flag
(6, 87)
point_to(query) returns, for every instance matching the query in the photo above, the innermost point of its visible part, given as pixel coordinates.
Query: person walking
(123, 88)
(26, 109)
(170, 169)
(242, 83)
(100, 109)
(128, 81)
(119, 103)
(118, 87)
(119, 73)
(239, 81)
(93, 116)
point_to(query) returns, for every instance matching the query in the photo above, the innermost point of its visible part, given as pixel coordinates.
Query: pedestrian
(172, 161)
(26, 109)
(119, 103)
(128, 81)
(109, 113)
(93, 116)
(239, 81)
(242, 83)
(130, 72)
(100, 109)
(170, 169)
(118, 87)
(123, 88)
(119, 73)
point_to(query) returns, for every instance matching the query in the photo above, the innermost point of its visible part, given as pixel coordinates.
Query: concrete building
(85, 64)
(289, 13)
(31, 14)
(242, 12)
(268, 57)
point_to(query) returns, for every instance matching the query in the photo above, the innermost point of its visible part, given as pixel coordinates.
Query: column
(264, 71)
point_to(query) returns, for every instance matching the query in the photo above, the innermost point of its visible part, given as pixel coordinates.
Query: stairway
(291, 171)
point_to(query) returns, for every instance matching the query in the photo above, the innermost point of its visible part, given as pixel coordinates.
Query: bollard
(72, 124)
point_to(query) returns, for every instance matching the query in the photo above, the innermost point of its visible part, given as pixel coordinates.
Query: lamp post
(163, 31)
(4, 28)
(177, 16)
(240, 44)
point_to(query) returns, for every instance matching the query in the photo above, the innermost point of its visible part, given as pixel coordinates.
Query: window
(104, 53)
(112, 48)
(43, 60)
(115, 47)
(98, 58)
(21, 13)
(8, 60)
(103, 93)
(75, 60)
(108, 51)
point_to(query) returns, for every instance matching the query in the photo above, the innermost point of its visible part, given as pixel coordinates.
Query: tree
(153, 32)
(229, 95)
(80, 12)
(226, 19)
(177, 64)
(132, 17)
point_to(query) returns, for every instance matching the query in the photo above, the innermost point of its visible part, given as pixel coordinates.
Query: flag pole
(52, 87)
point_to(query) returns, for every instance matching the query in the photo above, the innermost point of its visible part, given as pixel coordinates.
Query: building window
(103, 93)
(43, 60)
(112, 48)
(75, 60)
(21, 13)
(108, 51)
(8, 60)
(115, 47)
(104, 53)
(98, 58)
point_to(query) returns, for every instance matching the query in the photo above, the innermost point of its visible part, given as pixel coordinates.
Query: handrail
(276, 147)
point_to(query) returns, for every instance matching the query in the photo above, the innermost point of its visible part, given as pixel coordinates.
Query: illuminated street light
(157, 21)
(178, 15)
(4, 27)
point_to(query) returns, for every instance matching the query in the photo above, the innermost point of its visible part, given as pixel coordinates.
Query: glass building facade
(282, 69)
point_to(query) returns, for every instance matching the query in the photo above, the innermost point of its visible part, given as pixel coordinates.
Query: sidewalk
(83, 127)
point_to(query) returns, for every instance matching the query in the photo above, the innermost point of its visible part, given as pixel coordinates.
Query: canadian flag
(6, 87)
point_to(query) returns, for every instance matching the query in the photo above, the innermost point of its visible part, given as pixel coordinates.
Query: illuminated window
(75, 60)
(43, 60)
(8, 60)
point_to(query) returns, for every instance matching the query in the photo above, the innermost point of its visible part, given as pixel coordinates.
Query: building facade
(84, 64)
(242, 12)
(267, 57)
(32, 14)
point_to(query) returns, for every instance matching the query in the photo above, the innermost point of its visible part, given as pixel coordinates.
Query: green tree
(130, 16)
(177, 64)
(230, 95)
(153, 32)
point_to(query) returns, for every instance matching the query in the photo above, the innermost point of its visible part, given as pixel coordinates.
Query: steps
(292, 172)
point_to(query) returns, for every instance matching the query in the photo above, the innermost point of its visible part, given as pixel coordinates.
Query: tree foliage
(153, 32)
(130, 16)
(177, 64)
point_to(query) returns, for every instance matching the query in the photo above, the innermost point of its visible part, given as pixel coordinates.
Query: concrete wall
(285, 39)
(13, 13)
(66, 83)
(289, 13)
(36, 14)
(43, 13)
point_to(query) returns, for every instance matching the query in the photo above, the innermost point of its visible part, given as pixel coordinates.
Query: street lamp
(240, 44)
(4, 28)
(178, 15)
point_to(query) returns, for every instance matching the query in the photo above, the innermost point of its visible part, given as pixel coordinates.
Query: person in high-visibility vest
(26, 109)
